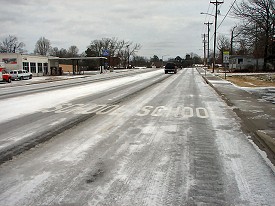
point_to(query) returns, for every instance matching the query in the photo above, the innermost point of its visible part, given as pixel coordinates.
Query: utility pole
(204, 48)
(128, 57)
(208, 43)
(232, 40)
(216, 3)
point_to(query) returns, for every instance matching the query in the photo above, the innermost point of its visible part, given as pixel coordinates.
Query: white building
(37, 65)
(241, 62)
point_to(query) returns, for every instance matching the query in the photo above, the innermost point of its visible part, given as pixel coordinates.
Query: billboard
(105, 53)
(9, 60)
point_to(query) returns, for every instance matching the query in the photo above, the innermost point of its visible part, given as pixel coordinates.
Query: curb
(266, 136)
(229, 103)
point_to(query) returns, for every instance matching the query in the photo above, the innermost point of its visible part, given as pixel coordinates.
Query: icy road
(152, 139)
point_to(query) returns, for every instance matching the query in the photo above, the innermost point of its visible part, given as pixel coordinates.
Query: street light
(207, 14)
(218, 14)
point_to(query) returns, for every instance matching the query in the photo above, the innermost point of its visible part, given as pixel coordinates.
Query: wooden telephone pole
(216, 3)
(208, 43)
(204, 49)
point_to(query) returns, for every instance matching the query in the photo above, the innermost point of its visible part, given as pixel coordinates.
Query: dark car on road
(170, 67)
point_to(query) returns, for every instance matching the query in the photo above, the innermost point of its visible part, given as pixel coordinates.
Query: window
(240, 61)
(40, 68)
(20, 72)
(26, 66)
(33, 67)
(45, 65)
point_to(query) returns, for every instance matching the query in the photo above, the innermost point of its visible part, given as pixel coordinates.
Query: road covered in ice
(26, 121)
(22, 105)
(174, 143)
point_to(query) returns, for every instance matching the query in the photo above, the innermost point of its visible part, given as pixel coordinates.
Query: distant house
(245, 63)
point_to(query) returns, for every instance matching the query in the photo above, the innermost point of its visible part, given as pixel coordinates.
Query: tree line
(122, 49)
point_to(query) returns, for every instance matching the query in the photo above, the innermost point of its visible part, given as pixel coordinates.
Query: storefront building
(37, 65)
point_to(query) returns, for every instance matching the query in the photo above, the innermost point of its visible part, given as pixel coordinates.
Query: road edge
(263, 135)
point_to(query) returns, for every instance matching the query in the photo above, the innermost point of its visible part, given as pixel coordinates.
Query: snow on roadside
(13, 108)
(265, 93)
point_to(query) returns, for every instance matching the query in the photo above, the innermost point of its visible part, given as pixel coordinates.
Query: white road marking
(154, 111)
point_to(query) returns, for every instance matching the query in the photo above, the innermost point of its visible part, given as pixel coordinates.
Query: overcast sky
(163, 27)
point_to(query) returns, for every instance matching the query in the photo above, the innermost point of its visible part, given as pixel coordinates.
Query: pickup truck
(170, 67)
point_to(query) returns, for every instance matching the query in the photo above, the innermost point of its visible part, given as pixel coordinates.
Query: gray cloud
(162, 27)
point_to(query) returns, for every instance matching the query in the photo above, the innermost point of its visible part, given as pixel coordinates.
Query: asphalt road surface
(172, 141)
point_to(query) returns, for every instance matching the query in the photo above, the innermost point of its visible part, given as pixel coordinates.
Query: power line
(203, 31)
(224, 17)
(209, 16)
(227, 13)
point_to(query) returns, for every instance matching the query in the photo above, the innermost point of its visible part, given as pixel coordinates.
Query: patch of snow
(219, 82)
(58, 122)
(250, 83)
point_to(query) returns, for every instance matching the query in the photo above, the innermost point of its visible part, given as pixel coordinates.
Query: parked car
(170, 67)
(5, 76)
(16, 74)
(27, 74)
(20, 74)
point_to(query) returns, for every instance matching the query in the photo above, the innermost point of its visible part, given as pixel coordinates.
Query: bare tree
(223, 44)
(116, 48)
(11, 45)
(54, 52)
(73, 51)
(242, 48)
(258, 23)
(42, 46)
(62, 53)
(140, 61)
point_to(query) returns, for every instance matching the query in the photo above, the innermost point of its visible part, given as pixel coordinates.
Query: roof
(76, 58)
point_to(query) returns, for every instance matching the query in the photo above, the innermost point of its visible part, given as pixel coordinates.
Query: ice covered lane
(28, 120)
(176, 143)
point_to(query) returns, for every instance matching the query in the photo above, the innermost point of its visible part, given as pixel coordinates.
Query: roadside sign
(105, 53)
(226, 57)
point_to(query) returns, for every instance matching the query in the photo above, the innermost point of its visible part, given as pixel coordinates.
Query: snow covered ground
(264, 93)
(24, 105)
